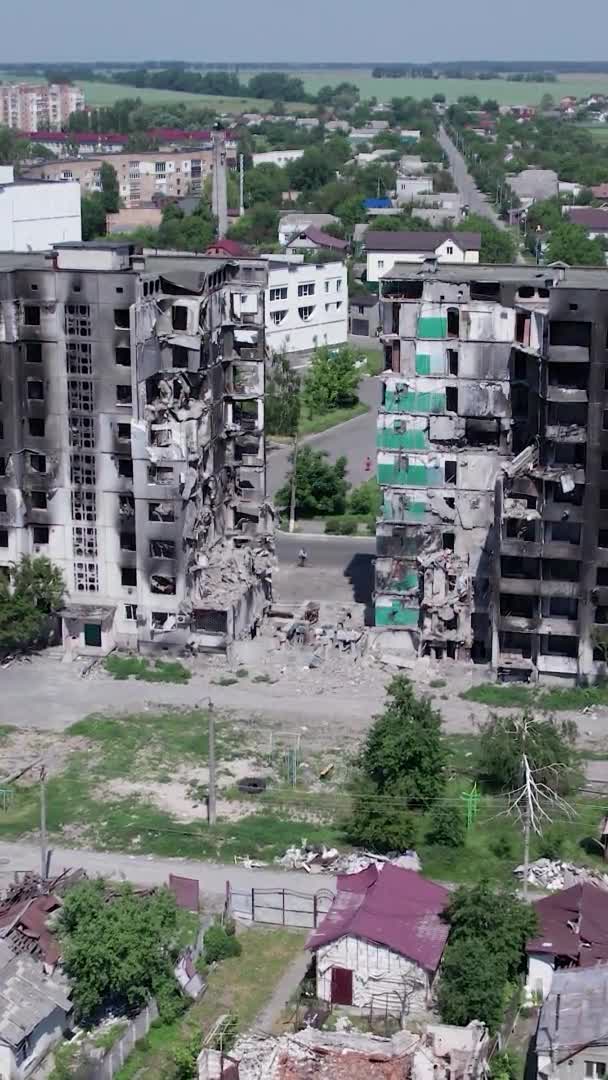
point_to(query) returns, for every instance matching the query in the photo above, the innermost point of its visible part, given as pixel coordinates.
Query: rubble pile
(316, 859)
(554, 875)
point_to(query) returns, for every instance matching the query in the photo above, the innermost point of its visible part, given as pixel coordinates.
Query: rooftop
(392, 907)
(589, 217)
(573, 923)
(574, 1013)
(424, 240)
(27, 996)
(577, 277)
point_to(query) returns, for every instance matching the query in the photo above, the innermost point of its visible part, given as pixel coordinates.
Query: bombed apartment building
(132, 441)
(492, 437)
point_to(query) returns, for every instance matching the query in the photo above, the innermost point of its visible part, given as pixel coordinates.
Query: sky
(302, 30)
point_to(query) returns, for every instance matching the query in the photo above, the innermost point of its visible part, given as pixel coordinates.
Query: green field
(506, 93)
(598, 134)
(101, 93)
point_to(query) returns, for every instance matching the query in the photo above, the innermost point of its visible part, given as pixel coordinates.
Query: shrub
(552, 842)
(346, 525)
(446, 826)
(219, 945)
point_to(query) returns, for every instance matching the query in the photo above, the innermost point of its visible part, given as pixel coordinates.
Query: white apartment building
(38, 106)
(306, 304)
(277, 157)
(36, 215)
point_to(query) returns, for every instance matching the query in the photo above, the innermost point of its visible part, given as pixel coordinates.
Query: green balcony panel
(396, 615)
(432, 326)
(389, 439)
(423, 364)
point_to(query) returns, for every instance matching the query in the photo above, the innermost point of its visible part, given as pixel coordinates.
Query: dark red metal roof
(228, 247)
(392, 907)
(573, 923)
(322, 239)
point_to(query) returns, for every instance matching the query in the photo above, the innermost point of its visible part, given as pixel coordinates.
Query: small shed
(382, 939)
(573, 932)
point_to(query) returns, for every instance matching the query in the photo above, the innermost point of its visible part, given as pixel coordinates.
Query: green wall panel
(396, 615)
(389, 439)
(432, 326)
(423, 364)
(415, 401)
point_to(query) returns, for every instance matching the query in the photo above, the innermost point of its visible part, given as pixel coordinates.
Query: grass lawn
(598, 132)
(241, 985)
(102, 93)
(123, 667)
(324, 421)
(551, 699)
(101, 798)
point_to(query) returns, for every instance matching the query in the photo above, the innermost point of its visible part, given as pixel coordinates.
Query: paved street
(340, 569)
(149, 870)
(355, 440)
(476, 200)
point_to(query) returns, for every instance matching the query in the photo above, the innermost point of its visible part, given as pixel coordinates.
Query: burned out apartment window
(3, 505)
(2, 466)
(38, 500)
(131, 612)
(128, 577)
(453, 322)
(37, 462)
(84, 506)
(447, 540)
(602, 538)
(124, 431)
(180, 356)
(125, 467)
(122, 318)
(31, 315)
(33, 352)
(86, 577)
(35, 390)
(81, 395)
(79, 358)
(602, 577)
(82, 432)
(124, 395)
(77, 320)
(159, 618)
(179, 317)
(40, 534)
(451, 399)
(452, 355)
(158, 511)
(128, 541)
(162, 549)
(36, 427)
(83, 470)
(450, 472)
(123, 356)
(3, 538)
(84, 540)
(160, 474)
(160, 584)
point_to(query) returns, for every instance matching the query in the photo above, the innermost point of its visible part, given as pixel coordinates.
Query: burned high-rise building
(132, 441)
(492, 543)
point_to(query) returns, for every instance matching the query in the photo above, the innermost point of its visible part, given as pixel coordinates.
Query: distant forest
(454, 68)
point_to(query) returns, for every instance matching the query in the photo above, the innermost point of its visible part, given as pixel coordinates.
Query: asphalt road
(476, 200)
(149, 870)
(355, 440)
(339, 569)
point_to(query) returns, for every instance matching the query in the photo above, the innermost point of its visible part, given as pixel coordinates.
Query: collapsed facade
(132, 441)
(492, 438)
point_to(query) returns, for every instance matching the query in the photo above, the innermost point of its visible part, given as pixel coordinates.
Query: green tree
(93, 216)
(13, 149)
(282, 408)
(37, 580)
(265, 184)
(404, 749)
(311, 171)
(546, 742)
(118, 952)
(258, 225)
(497, 245)
(380, 823)
(485, 953)
(332, 380)
(570, 244)
(110, 189)
(320, 486)
(36, 593)
(446, 826)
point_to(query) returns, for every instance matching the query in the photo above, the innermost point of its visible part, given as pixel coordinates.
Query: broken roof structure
(392, 907)
(23, 928)
(573, 924)
(574, 1014)
(27, 997)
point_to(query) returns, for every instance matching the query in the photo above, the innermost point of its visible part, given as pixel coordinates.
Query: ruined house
(492, 454)
(132, 441)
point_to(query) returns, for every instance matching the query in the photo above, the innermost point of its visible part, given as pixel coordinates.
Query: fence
(106, 1066)
(280, 907)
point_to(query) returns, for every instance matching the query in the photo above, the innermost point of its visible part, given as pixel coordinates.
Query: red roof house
(573, 932)
(230, 248)
(383, 935)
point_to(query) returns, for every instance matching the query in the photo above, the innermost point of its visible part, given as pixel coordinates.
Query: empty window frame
(124, 394)
(33, 352)
(450, 472)
(40, 534)
(84, 506)
(131, 612)
(82, 432)
(122, 356)
(31, 315)
(35, 390)
(83, 470)
(125, 467)
(36, 427)
(122, 318)
(77, 320)
(160, 474)
(84, 541)
(79, 360)
(86, 576)
(81, 395)
(37, 462)
(128, 577)
(162, 549)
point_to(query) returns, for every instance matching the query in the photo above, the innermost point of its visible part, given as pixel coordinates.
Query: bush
(220, 945)
(446, 826)
(378, 824)
(346, 525)
(504, 845)
(552, 842)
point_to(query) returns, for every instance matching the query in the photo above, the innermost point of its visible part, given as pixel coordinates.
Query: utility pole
(211, 814)
(526, 828)
(43, 848)
(292, 501)
(241, 185)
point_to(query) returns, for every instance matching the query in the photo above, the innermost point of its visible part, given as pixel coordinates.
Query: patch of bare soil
(28, 750)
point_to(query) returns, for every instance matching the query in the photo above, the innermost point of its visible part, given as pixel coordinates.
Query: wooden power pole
(43, 847)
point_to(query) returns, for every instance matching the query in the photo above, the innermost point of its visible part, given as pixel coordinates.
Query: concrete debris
(555, 875)
(315, 859)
